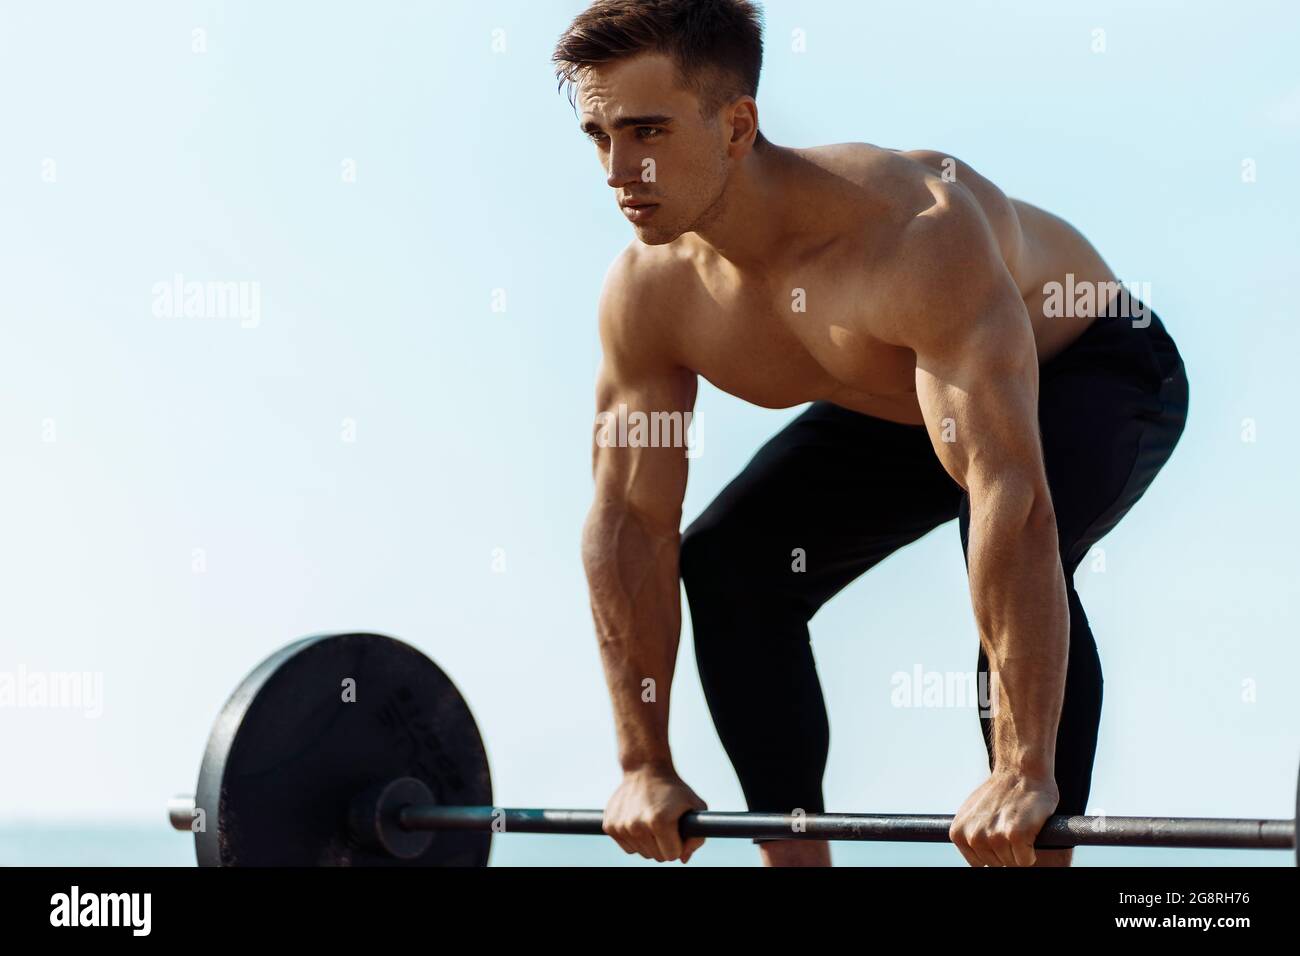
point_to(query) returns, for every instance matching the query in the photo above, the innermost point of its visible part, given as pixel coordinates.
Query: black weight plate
(287, 755)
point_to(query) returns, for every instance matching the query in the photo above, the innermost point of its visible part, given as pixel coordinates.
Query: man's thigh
(1111, 413)
(830, 495)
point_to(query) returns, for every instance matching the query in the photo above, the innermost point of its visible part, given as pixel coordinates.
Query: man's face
(666, 164)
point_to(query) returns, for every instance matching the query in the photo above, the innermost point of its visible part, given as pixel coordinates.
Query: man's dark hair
(717, 44)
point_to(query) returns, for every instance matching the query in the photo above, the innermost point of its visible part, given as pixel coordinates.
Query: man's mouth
(639, 211)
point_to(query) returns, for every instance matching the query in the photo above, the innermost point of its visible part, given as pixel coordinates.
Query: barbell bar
(355, 749)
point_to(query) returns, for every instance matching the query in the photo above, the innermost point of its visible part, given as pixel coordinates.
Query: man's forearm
(632, 574)
(1019, 597)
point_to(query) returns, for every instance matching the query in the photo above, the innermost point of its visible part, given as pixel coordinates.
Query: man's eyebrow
(623, 122)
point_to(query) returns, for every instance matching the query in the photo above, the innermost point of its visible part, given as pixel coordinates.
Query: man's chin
(655, 235)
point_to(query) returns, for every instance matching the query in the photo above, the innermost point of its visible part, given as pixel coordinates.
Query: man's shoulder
(937, 221)
(965, 200)
(643, 291)
(875, 173)
(644, 279)
(901, 185)
(941, 237)
(640, 264)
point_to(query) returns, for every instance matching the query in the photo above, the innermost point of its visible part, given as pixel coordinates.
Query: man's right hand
(644, 813)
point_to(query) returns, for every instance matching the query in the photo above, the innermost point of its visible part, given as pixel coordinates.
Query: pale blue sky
(473, 425)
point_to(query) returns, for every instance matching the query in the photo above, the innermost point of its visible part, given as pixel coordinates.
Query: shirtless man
(919, 310)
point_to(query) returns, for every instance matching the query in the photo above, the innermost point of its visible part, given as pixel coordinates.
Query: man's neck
(762, 206)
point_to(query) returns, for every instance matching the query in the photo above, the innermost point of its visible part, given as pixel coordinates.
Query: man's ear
(742, 121)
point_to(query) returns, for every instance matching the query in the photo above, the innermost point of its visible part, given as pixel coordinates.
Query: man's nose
(624, 167)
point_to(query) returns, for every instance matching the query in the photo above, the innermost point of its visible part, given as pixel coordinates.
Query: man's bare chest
(783, 343)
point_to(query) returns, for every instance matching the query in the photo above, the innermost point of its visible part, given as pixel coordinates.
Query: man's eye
(596, 136)
(648, 132)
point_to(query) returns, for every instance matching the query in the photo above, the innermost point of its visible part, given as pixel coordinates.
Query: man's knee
(709, 555)
(696, 539)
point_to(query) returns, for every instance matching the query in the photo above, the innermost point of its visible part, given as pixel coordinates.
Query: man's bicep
(645, 399)
(976, 355)
(978, 391)
(641, 435)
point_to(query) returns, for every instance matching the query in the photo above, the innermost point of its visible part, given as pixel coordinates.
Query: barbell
(357, 750)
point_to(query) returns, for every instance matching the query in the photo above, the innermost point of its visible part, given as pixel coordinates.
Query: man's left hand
(999, 822)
